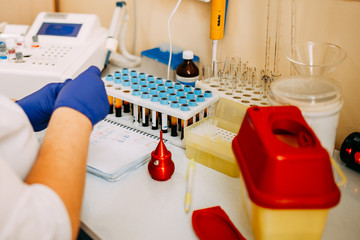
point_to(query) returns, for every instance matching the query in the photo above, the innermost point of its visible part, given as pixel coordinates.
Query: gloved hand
(39, 105)
(86, 94)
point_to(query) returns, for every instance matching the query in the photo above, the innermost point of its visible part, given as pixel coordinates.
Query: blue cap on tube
(170, 89)
(192, 103)
(187, 88)
(207, 94)
(177, 86)
(126, 83)
(135, 86)
(134, 79)
(142, 75)
(162, 94)
(155, 98)
(180, 92)
(125, 76)
(118, 80)
(190, 95)
(161, 87)
(117, 74)
(144, 88)
(145, 95)
(182, 100)
(174, 104)
(164, 101)
(172, 97)
(153, 91)
(125, 71)
(142, 81)
(109, 78)
(184, 107)
(159, 81)
(136, 92)
(152, 84)
(200, 98)
(150, 78)
(168, 83)
(197, 91)
(133, 73)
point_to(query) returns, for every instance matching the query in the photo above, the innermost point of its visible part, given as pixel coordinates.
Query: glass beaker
(315, 58)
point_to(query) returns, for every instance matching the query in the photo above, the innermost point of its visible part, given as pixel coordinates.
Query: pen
(189, 177)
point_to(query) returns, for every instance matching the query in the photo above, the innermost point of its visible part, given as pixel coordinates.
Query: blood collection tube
(192, 103)
(126, 107)
(154, 113)
(164, 117)
(207, 94)
(145, 111)
(174, 120)
(185, 108)
(199, 99)
(126, 83)
(110, 83)
(117, 83)
(117, 107)
(136, 92)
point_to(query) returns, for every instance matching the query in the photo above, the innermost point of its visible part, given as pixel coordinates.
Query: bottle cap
(192, 103)
(174, 104)
(109, 77)
(182, 100)
(152, 84)
(126, 83)
(142, 75)
(188, 55)
(145, 95)
(142, 81)
(170, 89)
(161, 87)
(153, 91)
(180, 93)
(125, 76)
(159, 80)
(168, 83)
(150, 78)
(200, 98)
(144, 88)
(184, 107)
(155, 98)
(134, 79)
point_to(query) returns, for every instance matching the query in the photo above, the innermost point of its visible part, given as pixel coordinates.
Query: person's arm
(61, 163)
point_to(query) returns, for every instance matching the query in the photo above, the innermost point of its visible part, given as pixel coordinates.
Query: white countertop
(138, 207)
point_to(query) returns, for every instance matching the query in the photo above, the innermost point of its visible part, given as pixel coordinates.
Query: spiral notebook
(116, 150)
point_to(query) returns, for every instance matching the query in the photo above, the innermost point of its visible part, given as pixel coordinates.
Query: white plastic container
(319, 99)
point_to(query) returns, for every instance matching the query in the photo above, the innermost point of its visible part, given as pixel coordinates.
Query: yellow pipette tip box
(208, 141)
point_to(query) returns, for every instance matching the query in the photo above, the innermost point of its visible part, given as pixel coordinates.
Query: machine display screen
(59, 29)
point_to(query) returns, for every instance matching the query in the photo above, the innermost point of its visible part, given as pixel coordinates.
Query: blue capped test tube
(174, 120)
(154, 113)
(145, 111)
(164, 116)
(184, 107)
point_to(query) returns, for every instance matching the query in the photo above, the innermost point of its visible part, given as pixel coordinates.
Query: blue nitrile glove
(39, 105)
(86, 94)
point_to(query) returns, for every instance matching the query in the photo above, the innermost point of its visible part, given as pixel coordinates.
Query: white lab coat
(26, 211)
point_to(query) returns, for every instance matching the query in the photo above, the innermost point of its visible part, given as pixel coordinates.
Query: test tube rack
(162, 98)
(247, 95)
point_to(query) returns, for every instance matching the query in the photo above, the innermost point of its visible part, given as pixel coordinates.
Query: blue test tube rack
(165, 97)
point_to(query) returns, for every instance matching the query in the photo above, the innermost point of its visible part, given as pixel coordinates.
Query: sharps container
(287, 181)
(319, 99)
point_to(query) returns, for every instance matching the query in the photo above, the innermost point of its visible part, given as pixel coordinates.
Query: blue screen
(59, 29)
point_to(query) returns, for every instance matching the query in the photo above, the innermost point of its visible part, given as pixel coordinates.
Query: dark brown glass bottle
(187, 72)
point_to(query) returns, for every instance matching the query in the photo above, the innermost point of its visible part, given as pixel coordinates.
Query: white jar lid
(188, 55)
(307, 93)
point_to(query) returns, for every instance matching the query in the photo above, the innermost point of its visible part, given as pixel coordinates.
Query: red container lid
(213, 224)
(282, 162)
